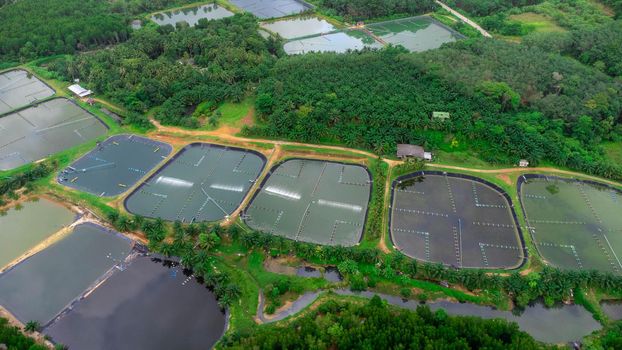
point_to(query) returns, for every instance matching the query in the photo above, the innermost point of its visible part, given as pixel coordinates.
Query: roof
(79, 90)
(440, 115)
(404, 150)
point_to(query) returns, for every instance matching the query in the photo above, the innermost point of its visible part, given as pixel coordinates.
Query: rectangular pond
(455, 220)
(203, 182)
(416, 34)
(146, 306)
(19, 88)
(42, 286)
(23, 228)
(191, 15)
(299, 27)
(339, 42)
(114, 165)
(272, 8)
(37, 132)
(313, 201)
(574, 224)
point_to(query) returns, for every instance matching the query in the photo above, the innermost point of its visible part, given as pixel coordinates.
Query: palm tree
(32, 326)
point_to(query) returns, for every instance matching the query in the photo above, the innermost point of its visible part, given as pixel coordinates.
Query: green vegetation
(215, 61)
(13, 338)
(374, 325)
(358, 10)
(32, 29)
(554, 110)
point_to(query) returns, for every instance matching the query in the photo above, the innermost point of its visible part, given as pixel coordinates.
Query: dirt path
(526, 170)
(465, 19)
(225, 134)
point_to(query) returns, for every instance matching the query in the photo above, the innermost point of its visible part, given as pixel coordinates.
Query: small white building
(523, 163)
(80, 91)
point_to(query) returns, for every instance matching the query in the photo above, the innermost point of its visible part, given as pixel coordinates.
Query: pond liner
(524, 178)
(416, 174)
(187, 147)
(119, 137)
(274, 167)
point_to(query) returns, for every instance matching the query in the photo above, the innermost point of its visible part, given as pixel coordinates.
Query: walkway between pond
(465, 19)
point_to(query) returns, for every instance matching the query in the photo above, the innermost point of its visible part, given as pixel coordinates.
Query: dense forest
(600, 47)
(374, 325)
(178, 69)
(357, 10)
(506, 101)
(59, 26)
(487, 7)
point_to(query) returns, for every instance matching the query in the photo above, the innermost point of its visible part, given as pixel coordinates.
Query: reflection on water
(299, 27)
(191, 15)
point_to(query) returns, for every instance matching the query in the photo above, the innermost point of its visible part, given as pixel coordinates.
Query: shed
(440, 115)
(80, 91)
(523, 163)
(411, 151)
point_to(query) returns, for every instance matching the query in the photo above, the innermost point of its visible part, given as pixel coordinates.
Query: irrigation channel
(536, 319)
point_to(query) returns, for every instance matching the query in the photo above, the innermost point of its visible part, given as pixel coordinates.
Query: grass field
(613, 150)
(539, 23)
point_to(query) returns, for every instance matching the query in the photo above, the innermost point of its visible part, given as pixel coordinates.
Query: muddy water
(146, 306)
(613, 309)
(43, 285)
(23, 229)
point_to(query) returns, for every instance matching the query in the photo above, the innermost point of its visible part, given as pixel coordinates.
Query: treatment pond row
(90, 289)
(453, 219)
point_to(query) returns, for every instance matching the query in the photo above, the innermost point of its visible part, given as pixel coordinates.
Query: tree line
(358, 10)
(365, 267)
(14, 339)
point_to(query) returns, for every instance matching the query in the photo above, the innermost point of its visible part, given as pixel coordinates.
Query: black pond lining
(112, 138)
(525, 179)
(466, 177)
(187, 147)
(274, 167)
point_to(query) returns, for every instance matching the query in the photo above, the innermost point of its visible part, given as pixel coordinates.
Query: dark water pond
(149, 305)
(613, 309)
(43, 285)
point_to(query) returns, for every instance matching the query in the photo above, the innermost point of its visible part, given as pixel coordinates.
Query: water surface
(416, 34)
(338, 42)
(43, 285)
(191, 15)
(146, 306)
(23, 229)
(299, 27)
